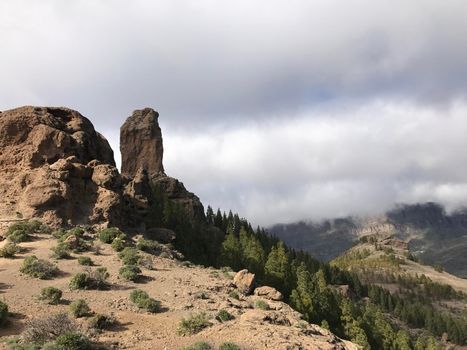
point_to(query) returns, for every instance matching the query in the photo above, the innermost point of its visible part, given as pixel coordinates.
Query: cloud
(279, 109)
(355, 160)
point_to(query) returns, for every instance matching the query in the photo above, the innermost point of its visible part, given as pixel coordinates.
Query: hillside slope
(182, 290)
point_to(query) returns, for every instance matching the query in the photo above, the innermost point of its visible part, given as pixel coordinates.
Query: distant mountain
(432, 235)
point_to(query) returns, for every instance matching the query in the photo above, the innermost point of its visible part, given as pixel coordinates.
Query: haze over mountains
(431, 234)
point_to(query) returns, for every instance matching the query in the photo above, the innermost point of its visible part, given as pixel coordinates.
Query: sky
(279, 110)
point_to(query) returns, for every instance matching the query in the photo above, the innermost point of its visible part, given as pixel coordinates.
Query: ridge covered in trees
(309, 286)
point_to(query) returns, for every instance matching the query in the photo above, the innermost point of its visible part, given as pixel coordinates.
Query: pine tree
(231, 251)
(277, 268)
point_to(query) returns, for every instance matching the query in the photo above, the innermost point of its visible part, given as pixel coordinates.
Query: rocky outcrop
(141, 144)
(269, 293)
(142, 151)
(177, 193)
(54, 165)
(244, 281)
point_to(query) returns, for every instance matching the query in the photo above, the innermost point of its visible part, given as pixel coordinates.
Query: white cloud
(355, 160)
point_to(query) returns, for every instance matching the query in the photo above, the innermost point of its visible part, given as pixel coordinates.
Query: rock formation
(54, 165)
(141, 144)
(142, 151)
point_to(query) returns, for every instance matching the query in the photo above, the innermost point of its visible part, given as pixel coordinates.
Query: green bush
(224, 316)
(149, 246)
(129, 256)
(22, 231)
(198, 346)
(229, 346)
(141, 299)
(61, 251)
(19, 236)
(130, 272)
(38, 268)
(96, 279)
(85, 261)
(9, 250)
(234, 294)
(109, 234)
(51, 294)
(101, 322)
(193, 324)
(58, 234)
(118, 244)
(70, 341)
(261, 304)
(79, 308)
(79, 281)
(3, 312)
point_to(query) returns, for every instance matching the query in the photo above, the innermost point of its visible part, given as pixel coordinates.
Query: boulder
(162, 235)
(244, 281)
(268, 293)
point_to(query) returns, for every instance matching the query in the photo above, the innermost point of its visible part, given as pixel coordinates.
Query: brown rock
(244, 281)
(141, 144)
(46, 157)
(176, 191)
(268, 293)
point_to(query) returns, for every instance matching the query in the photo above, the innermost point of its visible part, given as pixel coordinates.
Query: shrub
(101, 322)
(229, 346)
(79, 281)
(234, 294)
(61, 251)
(130, 272)
(109, 234)
(261, 304)
(129, 256)
(70, 341)
(79, 308)
(193, 324)
(118, 244)
(38, 268)
(9, 250)
(141, 299)
(19, 236)
(22, 231)
(3, 312)
(224, 316)
(51, 294)
(85, 261)
(41, 330)
(58, 234)
(199, 346)
(96, 279)
(149, 246)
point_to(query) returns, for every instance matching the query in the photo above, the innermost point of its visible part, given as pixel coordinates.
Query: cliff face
(54, 165)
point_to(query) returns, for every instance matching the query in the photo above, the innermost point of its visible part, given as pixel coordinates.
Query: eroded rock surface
(141, 144)
(54, 165)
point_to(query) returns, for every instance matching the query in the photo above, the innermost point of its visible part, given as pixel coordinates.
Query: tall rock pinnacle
(141, 144)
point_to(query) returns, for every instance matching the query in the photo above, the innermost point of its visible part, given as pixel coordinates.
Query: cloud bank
(279, 109)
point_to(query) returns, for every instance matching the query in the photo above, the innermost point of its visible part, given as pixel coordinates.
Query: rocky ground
(182, 290)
